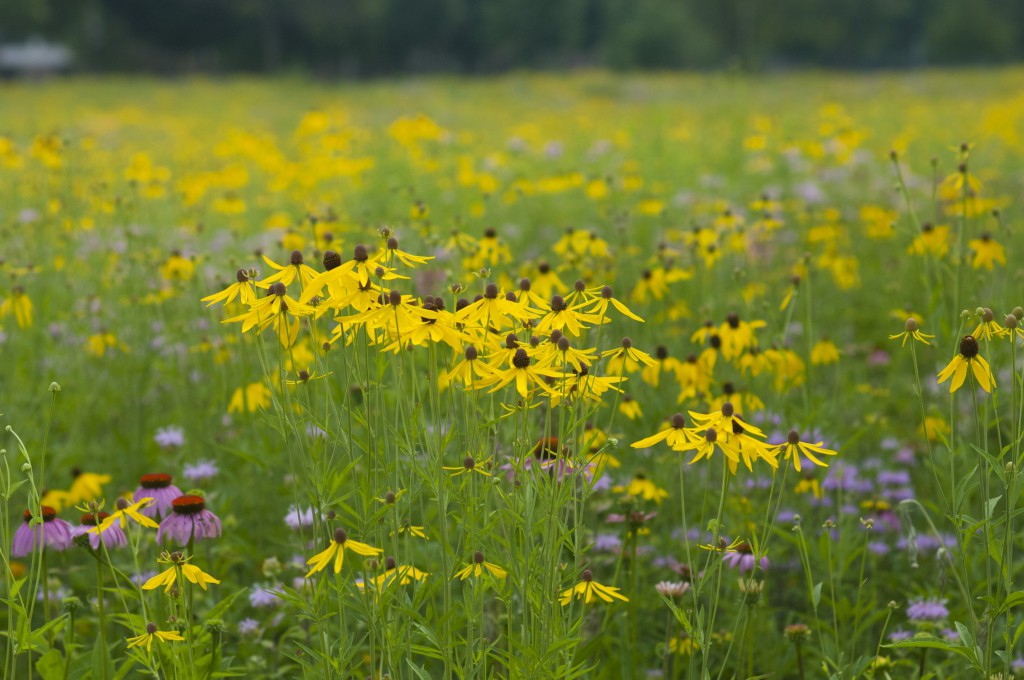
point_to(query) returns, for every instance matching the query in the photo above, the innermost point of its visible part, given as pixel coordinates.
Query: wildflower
(910, 330)
(336, 552)
(408, 259)
(242, 289)
(627, 358)
(987, 252)
(630, 407)
(249, 627)
(523, 371)
(968, 357)
(277, 309)
(742, 557)
(189, 519)
(987, 327)
(111, 535)
(253, 397)
(469, 465)
(202, 471)
(737, 335)
(286, 274)
(589, 590)
(160, 488)
(169, 437)
(931, 241)
(793, 447)
(54, 533)
(87, 486)
(403, 575)
(644, 488)
(675, 435)
(169, 577)
(19, 305)
(478, 566)
(468, 371)
(672, 589)
(600, 308)
(261, 598)
(824, 352)
(931, 609)
(297, 518)
(151, 634)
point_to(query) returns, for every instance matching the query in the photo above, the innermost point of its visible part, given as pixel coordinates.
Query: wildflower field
(586, 376)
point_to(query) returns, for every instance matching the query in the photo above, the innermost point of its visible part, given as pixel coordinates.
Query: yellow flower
(336, 552)
(86, 487)
(987, 252)
(931, 241)
(792, 449)
(242, 289)
(630, 407)
(675, 435)
(253, 397)
(169, 577)
(478, 566)
(19, 305)
(469, 465)
(911, 331)
(824, 352)
(151, 634)
(644, 488)
(590, 590)
(127, 508)
(968, 358)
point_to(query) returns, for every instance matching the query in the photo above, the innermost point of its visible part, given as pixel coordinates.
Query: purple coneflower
(932, 609)
(189, 519)
(202, 471)
(742, 558)
(157, 486)
(113, 536)
(56, 533)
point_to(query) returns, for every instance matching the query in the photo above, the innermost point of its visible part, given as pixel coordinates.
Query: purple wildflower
(297, 519)
(932, 609)
(249, 627)
(169, 437)
(112, 537)
(742, 558)
(202, 471)
(262, 598)
(189, 519)
(56, 533)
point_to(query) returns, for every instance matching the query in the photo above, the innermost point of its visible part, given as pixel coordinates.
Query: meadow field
(534, 376)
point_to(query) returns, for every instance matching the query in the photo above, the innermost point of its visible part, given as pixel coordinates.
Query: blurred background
(364, 38)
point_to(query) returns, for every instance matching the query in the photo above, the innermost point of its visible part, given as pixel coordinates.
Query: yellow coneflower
(987, 252)
(478, 567)
(590, 590)
(968, 357)
(169, 577)
(793, 448)
(824, 352)
(336, 552)
(987, 327)
(242, 289)
(153, 634)
(911, 331)
(676, 434)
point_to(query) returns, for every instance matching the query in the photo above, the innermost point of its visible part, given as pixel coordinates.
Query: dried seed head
(296, 257)
(587, 575)
(121, 503)
(711, 435)
(392, 243)
(395, 298)
(468, 463)
(627, 343)
(607, 293)
(563, 344)
(359, 253)
(151, 628)
(511, 341)
(580, 285)
(910, 326)
(491, 291)
(478, 557)
(389, 563)
(340, 536)
(793, 437)
(987, 315)
(242, 275)
(727, 409)
(678, 421)
(557, 303)
(471, 353)
(277, 288)
(389, 498)
(1010, 321)
(661, 352)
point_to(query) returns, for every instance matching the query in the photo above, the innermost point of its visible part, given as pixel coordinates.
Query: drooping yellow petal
(959, 375)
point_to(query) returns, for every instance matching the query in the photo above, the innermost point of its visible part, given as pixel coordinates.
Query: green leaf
(50, 666)
(816, 595)
(965, 634)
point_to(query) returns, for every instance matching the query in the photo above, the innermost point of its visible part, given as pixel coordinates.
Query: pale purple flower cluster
(169, 437)
(931, 609)
(202, 471)
(297, 519)
(262, 598)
